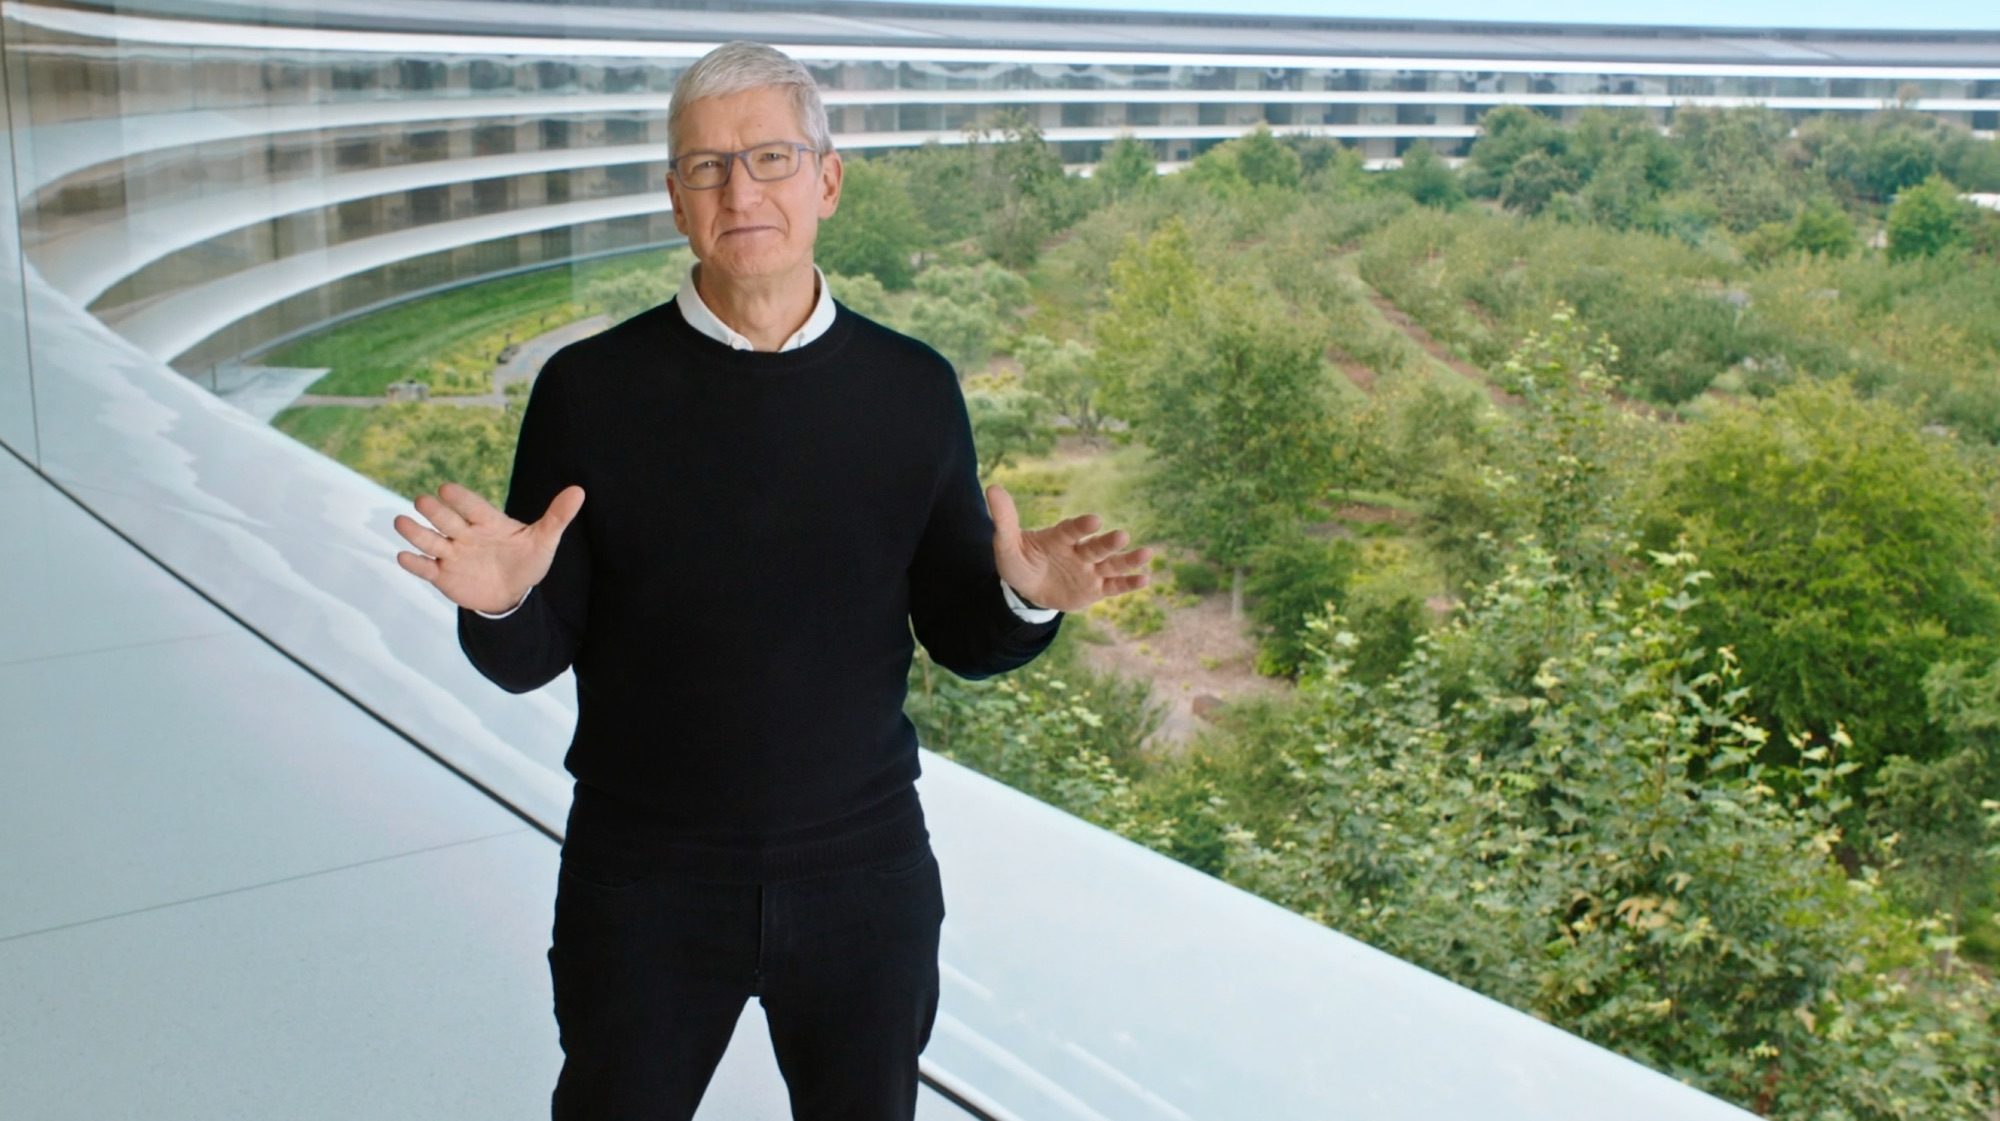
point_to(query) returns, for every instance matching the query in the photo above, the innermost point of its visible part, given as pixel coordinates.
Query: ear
(830, 172)
(674, 196)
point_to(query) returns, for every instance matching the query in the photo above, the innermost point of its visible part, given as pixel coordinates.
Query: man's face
(746, 228)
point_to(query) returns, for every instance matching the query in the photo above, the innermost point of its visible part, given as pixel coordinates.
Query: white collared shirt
(701, 319)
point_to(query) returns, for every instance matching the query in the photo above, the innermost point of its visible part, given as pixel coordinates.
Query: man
(779, 490)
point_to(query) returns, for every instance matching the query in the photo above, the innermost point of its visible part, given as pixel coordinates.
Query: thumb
(562, 509)
(1006, 520)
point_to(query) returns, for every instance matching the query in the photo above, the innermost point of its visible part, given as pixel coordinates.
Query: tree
(1239, 417)
(1065, 374)
(1427, 179)
(1533, 181)
(1127, 168)
(1734, 161)
(1007, 421)
(1851, 553)
(1822, 227)
(1154, 285)
(1265, 162)
(941, 182)
(1020, 185)
(1928, 219)
(876, 229)
(1507, 135)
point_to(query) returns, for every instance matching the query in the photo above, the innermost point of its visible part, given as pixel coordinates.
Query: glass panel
(17, 393)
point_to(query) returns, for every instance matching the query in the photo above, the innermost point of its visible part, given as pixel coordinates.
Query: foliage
(1851, 553)
(413, 448)
(1943, 814)
(1294, 577)
(1426, 178)
(1008, 420)
(1928, 219)
(1154, 283)
(1127, 168)
(1066, 374)
(1255, 161)
(1558, 802)
(876, 230)
(962, 310)
(863, 294)
(1019, 185)
(452, 339)
(1240, 418)
(1054, 730)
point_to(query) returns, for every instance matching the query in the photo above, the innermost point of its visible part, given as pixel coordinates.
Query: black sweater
(760, 531)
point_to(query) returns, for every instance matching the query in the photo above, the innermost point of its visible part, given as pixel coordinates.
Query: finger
(422, 536)
(467, 503)
(446, 519)
(1125, 562)
(1103, 545)
(420, 565)
(1117, 585)
(1071, 530)
(1006, 519)
(563, 508)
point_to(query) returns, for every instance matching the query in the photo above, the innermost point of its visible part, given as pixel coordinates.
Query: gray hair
(742, 65)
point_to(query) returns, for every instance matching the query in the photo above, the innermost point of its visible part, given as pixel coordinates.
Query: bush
(1291, 579)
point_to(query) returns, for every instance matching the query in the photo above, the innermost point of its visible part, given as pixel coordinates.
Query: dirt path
(1198, 660)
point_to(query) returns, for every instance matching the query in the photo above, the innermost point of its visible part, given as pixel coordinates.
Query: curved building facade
(189, 181)
(209, 178)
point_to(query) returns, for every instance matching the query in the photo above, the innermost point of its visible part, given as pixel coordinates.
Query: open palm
(1062, 566)
(478, 556)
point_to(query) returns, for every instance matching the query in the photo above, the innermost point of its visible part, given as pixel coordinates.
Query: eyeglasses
(702, 171)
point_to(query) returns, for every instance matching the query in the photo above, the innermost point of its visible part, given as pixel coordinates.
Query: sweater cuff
(1020, 606)
(509, 611)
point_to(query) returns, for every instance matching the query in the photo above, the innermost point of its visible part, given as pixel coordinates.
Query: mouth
(747, 230)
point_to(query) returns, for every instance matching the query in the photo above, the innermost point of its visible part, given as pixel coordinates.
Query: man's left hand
(1062, 566)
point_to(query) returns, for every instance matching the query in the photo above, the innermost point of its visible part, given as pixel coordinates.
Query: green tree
(876, 230)
(1021, 185)
(1851, 553)
(1155, 284)
(1239, 416)
(942, 182)
(1008, 421)
(1265, 162)
(1066, 374)
(1734, 161)
(1507, 135)
(1127, 168)
(1427, 179)
(864, 294)
(1928, 219)
(1558, 802)
(1822, 227)
(1534, 181)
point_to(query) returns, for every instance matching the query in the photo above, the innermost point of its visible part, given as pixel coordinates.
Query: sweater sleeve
(958, 605)
(538, 639)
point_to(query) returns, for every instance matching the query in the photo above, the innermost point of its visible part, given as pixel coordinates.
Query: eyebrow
(745, 148)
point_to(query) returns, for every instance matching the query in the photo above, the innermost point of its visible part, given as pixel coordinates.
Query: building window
(493, 140)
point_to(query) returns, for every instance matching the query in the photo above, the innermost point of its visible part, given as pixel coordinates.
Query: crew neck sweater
(760, 535)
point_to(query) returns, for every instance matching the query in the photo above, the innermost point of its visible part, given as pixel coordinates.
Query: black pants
(651, 975)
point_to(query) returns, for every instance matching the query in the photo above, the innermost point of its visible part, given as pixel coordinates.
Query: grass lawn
(333, 430)
(408, 340)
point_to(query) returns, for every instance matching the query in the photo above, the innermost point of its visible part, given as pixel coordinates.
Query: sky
(1922, 15)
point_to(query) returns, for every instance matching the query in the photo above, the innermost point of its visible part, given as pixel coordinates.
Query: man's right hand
(478, 556)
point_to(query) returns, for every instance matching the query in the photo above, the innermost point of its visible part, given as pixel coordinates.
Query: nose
(741, 189)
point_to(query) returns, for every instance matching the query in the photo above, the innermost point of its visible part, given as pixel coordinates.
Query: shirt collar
(701, 319)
